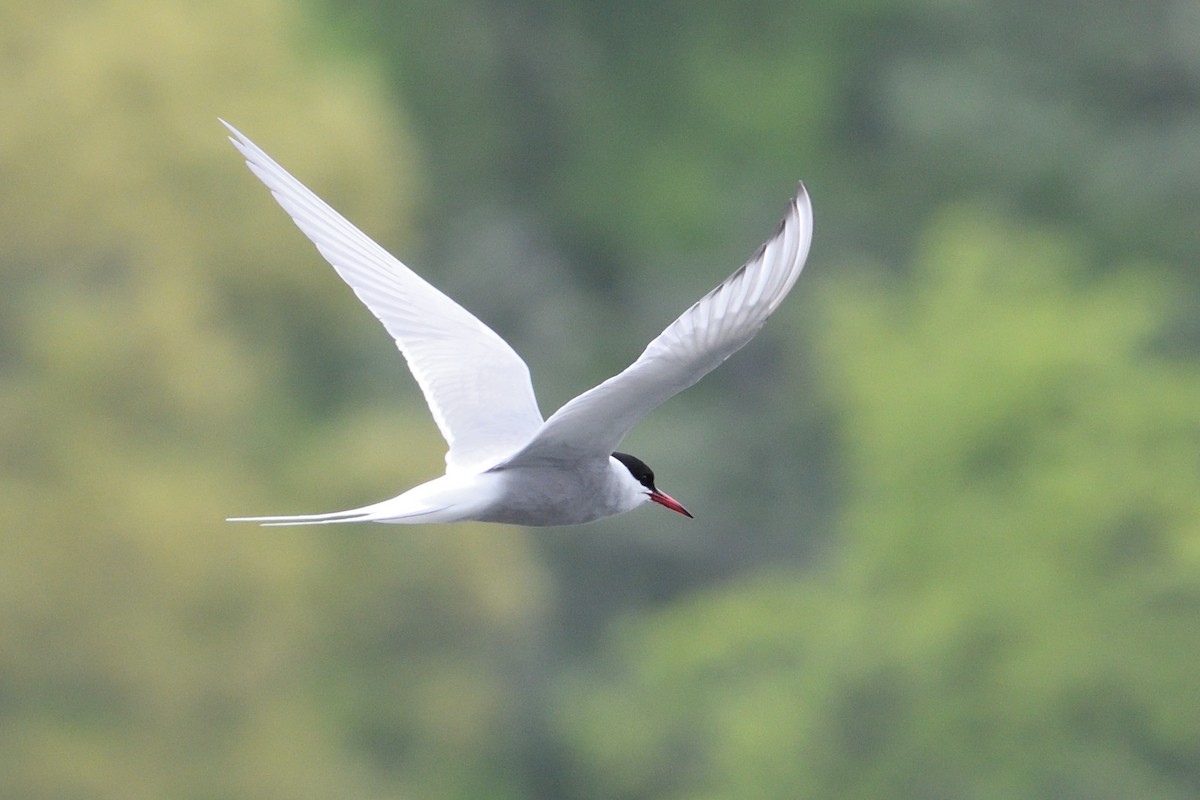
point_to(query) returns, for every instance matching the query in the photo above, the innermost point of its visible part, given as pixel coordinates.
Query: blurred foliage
(165, 363)
(1012, 611)
(1088, 117)
(947, 541)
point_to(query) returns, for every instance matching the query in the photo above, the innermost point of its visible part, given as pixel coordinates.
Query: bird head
(645, 478)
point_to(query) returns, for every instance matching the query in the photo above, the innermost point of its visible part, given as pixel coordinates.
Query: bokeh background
(948, 503)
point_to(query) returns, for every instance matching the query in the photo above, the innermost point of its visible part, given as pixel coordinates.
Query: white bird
(504, 463)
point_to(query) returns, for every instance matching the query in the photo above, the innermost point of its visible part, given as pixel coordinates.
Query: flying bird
(505, 464)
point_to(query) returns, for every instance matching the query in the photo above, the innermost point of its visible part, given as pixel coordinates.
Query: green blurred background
(948, 503)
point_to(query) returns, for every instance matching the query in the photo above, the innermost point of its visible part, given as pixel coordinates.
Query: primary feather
(486, 410)
(714, 328)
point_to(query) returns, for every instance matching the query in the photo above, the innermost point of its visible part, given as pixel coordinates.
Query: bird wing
(713, 329)
(477, 387)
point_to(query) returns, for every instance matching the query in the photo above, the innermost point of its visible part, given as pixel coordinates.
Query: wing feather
(477, 387)
(714, 328)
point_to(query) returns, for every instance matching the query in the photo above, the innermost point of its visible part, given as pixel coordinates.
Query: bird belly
(543, 497)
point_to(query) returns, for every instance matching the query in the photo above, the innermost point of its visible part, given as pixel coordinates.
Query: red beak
(670, 502)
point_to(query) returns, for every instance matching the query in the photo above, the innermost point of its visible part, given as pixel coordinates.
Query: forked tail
(355, 515)
(374, 513)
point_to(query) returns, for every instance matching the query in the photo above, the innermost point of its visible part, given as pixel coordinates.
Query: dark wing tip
(799, 206)
(802, 203)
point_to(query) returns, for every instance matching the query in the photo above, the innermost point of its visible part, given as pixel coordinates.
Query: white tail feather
(357, 515)
(379, 512)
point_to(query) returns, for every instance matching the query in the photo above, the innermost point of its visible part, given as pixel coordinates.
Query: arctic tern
(505, 464)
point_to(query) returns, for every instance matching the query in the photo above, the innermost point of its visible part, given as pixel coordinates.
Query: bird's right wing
(477, 387)
(716, 327)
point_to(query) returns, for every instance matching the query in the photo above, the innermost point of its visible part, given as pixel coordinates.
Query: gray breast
(542, 496)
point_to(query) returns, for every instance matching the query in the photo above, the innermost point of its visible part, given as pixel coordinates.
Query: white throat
(627, 492)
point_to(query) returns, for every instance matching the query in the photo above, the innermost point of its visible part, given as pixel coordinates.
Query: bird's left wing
(477, 387)
(713, 329)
